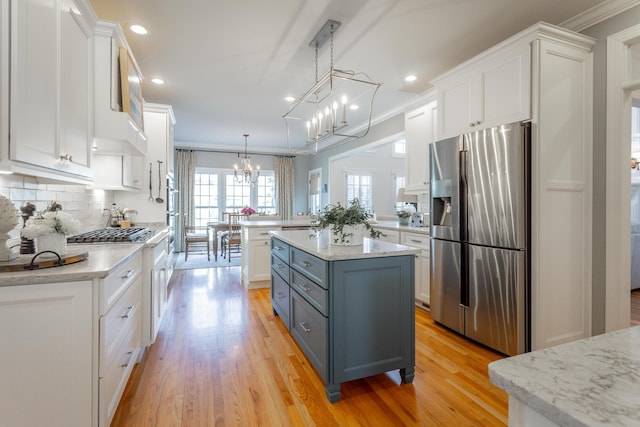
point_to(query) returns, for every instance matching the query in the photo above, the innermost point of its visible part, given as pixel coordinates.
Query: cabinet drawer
(422, 241)
(116, 283)
(280, 297)
(260, 233)
(317, 296)
(312, 267)
(280, 267)
(115, 378)
(117, 322)
(309, 328)
(280, 249)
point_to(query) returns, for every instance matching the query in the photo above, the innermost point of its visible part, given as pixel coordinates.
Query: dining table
(218, 226)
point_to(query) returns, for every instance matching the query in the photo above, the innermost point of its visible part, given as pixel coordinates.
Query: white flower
(50, 222)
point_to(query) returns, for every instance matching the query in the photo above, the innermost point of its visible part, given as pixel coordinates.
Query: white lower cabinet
(68, 348)
(46, 355)
(422, 268)
(256, 256)
(154, 290)
(391, 236)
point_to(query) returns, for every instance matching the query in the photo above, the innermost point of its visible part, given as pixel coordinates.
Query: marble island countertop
(295, 223)
(589, 382)
(318, 245)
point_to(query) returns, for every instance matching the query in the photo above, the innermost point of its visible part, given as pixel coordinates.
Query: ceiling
(228, 65)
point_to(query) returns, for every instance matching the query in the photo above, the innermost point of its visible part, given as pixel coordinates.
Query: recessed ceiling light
(354, 106)
(410, 78)
(289, 99)
(138, 29)
(157, 81)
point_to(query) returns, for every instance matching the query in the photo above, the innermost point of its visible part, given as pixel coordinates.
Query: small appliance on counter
(419, 219)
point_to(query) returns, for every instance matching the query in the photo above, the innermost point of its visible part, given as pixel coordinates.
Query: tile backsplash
(85, 204)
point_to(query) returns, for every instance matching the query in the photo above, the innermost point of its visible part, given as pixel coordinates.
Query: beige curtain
(185, 177)
(284, 179)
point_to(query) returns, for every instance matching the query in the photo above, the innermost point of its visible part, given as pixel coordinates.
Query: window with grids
(360, 186)
(217, 191)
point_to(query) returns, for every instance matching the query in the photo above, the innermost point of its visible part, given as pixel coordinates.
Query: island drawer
(309, 265)
(391, 236)
(317, 296)
(280, 297)
(417, 240)
(309, 329)
(280, 249)
(261, 233)
(280, 267)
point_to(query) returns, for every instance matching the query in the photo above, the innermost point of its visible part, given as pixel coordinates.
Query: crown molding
(598, 13)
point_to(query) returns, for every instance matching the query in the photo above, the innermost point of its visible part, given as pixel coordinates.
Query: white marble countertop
(589, 382)
(387, 225)
(319, 246)
(102, 259)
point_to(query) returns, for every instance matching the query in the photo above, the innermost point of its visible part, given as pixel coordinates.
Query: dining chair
(195, 238)
(231, 238)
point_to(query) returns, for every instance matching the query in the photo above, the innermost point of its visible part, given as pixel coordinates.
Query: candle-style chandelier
(246, 174)
(338, 104)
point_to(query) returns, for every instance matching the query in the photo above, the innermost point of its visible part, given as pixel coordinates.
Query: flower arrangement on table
(247, 211)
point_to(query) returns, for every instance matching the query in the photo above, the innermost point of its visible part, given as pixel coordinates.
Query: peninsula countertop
(317, 244)
(589, 382)
(299, 223)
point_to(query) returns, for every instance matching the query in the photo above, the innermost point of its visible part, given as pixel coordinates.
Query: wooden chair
(231, 238)
(195, 237)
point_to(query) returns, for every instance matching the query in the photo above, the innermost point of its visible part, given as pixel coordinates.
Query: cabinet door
(456, 102)
(259, 260)
(419, 133)
(75, 91)
(34, 82)
(46, 354)
(170, 148)
(158, 296)
(132, 170)
(423, 289)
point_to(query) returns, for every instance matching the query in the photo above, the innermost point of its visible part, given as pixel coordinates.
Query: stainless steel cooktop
(113, 235)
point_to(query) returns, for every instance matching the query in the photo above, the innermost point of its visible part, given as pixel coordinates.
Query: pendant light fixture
(340, 103)
(247, 172)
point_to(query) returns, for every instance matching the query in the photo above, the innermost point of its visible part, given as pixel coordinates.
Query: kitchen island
(590, 382)
(349, 308)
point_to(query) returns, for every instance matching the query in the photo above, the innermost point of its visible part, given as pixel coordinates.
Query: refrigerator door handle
(464, 255)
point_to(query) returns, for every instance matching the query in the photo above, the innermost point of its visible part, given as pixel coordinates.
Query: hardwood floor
(222, 358)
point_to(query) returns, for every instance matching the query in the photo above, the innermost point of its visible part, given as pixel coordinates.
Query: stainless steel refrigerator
(479, 234)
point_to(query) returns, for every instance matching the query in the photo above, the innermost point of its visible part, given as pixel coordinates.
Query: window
(217, 191)
(399, 148)
(360, 186)
(399, 182)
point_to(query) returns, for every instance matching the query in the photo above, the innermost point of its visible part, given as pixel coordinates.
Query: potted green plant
(404, 215)
(347, 225)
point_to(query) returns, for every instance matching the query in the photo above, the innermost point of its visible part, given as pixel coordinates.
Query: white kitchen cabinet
(256, 256)
(422, 265)
(46, 355)
(419, 132)
(115, 131)
(555, 93)
(491, 89)
(114, 172)
(50, 125)
(154, 292)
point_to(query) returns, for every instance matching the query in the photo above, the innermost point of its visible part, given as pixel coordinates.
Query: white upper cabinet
(115, 172)
(490, 90)
(159, 121)
(50, 124)
(419, 132)
(117, 131)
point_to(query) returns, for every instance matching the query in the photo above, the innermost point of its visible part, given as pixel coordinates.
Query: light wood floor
(222, 358)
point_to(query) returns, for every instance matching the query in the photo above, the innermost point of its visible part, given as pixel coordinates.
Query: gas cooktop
(115, 235)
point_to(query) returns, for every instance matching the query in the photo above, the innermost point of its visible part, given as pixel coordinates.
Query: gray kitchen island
(349, 308)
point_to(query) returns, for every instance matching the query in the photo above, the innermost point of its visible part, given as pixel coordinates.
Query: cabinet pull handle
(306, 264)
(306, 288)
(279, 265)
(266, 242)
(278, 248)
(280, 295)
(416, 241)
(264, 234)
(127, 275)
(128, 313)
(383, 235)
(125, 364)
(304, 327)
